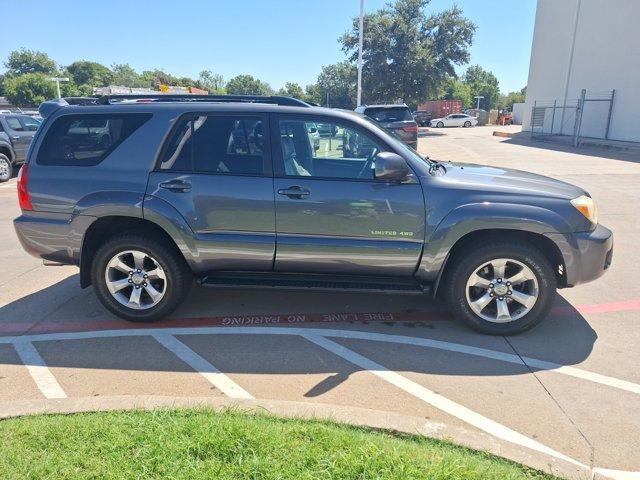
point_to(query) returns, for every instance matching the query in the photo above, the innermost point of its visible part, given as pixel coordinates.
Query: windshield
(403, 147)
(389, 114)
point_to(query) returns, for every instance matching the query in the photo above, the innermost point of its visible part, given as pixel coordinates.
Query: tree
(29, 61)
(93, 74)
(292, 90)
(2, 78)
(313, 94)
(484, 83)
(510, 98)
(155, 78)
(123, 75)
(336, 85)
(248, 85)
(212, 82)
(407, 54)
(455, 89)
(29, 89)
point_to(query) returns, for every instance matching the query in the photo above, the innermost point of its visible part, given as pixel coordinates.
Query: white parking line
(165, 336)
(352, 334)
(438, 401)
(203, 367)
(38, 370)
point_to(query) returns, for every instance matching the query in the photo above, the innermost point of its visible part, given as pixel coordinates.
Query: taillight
(24, 199)
(410, 128)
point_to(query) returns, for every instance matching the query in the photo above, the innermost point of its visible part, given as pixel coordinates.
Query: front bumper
(587, 255)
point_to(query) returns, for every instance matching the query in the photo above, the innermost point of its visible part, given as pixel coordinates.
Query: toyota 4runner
(233, 191)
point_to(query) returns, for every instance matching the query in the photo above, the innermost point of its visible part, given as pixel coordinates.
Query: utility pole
(360, 41)
(58, 80)
(478, 97)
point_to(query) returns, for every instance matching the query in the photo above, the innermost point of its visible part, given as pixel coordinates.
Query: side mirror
(390, 166)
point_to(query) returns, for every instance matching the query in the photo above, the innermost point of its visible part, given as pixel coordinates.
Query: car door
(20, 137)
(332, 216)
(215, 170)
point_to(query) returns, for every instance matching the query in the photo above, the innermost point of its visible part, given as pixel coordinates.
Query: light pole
(360, 39)
(479, 97)
(58, 80)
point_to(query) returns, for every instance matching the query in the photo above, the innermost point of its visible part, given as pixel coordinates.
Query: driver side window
(326, 149)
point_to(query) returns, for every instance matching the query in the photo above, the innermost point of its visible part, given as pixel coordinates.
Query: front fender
(483, 216)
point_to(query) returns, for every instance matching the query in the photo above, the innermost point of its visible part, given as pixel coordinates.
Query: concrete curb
(376, 419)
(497, 133)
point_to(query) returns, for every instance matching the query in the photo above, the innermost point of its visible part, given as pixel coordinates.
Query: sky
(274, 40)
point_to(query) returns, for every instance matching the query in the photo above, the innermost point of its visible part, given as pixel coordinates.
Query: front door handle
(294, 192)
(176, 186)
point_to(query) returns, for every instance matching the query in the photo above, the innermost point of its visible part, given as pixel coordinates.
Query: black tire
(470, 259)
(178, 276)
(467, 124)
(440, 125)
(6, 169)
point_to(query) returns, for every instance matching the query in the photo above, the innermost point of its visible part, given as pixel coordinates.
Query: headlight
(587, 207)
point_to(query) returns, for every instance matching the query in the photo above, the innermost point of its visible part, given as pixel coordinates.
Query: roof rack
(170, 97)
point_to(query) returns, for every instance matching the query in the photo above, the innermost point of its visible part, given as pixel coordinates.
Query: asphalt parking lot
(564, 397)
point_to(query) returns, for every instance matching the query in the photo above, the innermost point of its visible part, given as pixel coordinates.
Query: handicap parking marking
(48, 385)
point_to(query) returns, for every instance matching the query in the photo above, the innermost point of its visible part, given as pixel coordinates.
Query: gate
(588, 116)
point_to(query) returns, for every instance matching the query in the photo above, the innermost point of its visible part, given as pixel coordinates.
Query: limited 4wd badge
(391, 233)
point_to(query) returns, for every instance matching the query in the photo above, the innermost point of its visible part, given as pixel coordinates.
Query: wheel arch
(540, 242)
(6, 150)
(106, 227)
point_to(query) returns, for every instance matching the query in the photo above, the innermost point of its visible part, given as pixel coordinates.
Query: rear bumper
(52, 237)
(587, 255)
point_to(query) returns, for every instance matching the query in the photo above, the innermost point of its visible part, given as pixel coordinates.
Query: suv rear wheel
(138, 278)
(5, 168)
(500, 288)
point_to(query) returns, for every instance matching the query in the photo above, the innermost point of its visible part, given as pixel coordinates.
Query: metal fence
(588, 116)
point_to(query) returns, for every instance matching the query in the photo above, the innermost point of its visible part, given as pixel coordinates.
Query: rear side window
(86, 140)
(216, 144)
(389, 114)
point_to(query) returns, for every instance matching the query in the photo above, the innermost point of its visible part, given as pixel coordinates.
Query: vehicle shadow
(561, 144)
(564, 338)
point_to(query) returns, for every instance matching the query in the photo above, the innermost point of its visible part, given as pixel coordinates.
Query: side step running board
(314, 283)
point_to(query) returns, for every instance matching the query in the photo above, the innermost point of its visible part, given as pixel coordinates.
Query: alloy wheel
(502, 290)
(135, 279)
(5, 170)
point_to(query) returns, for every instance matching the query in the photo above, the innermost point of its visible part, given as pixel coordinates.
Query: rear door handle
(176, 186)
(294, 192)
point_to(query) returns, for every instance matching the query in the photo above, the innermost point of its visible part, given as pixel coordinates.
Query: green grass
(201, 444)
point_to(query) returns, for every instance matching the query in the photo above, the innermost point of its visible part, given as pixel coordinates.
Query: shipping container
(441, 108)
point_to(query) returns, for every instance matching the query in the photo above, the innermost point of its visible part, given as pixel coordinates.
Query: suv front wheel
(500, 288)
(138, 278)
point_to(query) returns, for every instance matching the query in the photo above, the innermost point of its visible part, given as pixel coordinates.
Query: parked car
(422, 117)
(397, 119)
(173, 198)
(16, 133)
(455, 120)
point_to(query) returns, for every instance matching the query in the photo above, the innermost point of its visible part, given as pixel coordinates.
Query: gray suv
(232, 191)
(16, 133)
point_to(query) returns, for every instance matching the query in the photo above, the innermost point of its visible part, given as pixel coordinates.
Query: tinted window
(324, 149)
(389, 114)
(14, 124)
(30, 124)
(85, 140)
(216, 144)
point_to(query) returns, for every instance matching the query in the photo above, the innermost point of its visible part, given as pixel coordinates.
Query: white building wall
(590, 44)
